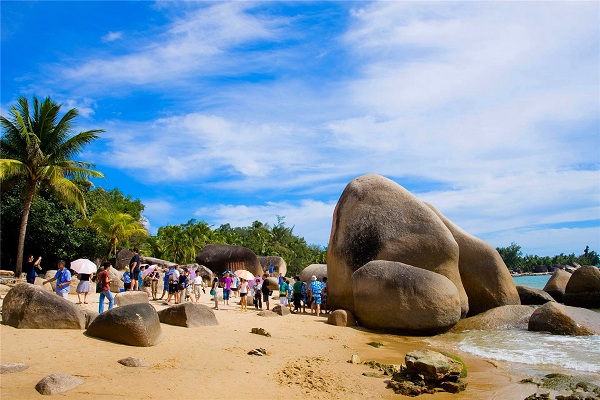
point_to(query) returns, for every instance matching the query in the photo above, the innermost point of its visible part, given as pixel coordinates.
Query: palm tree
(115, 226)
(37, 148)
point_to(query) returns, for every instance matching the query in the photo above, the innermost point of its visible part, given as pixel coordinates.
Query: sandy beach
(307, 358)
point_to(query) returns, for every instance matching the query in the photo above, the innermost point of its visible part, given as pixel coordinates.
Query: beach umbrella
(244, 274)
(148, 270)
(252, 282)
(83, 266)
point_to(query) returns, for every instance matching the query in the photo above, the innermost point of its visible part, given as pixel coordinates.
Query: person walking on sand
(83, 287)
(214, 292)
(297, 289)
(226, 281)
(154, 278)
(63, 280)
(198, 286)
(166, 281)
(283, 289)
(134, 269)
(30, 267)
(315, 287)
(104, 279)
(265, 290)
(243, 294)
(256, 289)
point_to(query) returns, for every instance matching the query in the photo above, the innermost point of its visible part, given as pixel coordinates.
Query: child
(213, 292)
(243, 293)
(257, 294)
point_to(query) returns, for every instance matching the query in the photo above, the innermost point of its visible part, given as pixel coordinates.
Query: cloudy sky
(242, 111)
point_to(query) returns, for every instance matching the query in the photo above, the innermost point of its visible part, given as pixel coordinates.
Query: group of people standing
(297, 296)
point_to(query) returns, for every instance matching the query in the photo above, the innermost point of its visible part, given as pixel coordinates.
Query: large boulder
(188, 315)
(31, 307)
(133, 325)
(499, 318)
(318, 270)
(130, 297)
(222, 257)
(559, 319)
(532, 296)
(377, 219)
(122, 259)
(116, 283)
(557, 284)
(583, 289)
(400, 298)
(279, 264)
(163, 264)
(484, 275)
(205, 272)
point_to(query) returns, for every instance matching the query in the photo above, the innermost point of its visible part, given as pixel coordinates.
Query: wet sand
(307, 359)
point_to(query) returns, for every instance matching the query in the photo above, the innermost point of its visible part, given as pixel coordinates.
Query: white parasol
(83, 266)
(244, 274)
(149, 269)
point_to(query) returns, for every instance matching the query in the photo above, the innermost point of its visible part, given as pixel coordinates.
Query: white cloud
(112, 36)
(200, 43)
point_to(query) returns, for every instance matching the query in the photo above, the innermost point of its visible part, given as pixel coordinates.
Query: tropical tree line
(516, 262)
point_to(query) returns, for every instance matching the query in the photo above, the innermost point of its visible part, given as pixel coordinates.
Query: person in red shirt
(104, 279)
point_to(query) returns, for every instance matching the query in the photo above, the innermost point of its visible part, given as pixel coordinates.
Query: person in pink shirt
(226, 281)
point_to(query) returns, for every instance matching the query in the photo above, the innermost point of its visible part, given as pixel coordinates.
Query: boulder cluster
(399, 265)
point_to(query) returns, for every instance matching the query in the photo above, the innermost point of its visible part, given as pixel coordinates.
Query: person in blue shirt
(126, 280)
(315, 287)
(166, 282)
(63, 280)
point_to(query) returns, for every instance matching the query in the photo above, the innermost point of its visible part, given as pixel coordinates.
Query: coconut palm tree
(115, 226)
(37, 148)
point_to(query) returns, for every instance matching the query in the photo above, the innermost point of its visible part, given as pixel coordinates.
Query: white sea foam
(578, 353)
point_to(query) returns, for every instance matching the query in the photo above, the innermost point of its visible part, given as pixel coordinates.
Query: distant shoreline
(530, 273)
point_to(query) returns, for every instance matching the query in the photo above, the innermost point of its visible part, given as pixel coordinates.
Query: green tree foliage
(37, 148)
(114, 226)
(514, 260)
(181, 243)
(52, 230)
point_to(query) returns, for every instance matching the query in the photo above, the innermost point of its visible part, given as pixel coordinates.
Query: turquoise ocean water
(534, 281)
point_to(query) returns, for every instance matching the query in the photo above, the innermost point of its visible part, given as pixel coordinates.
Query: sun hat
(313, 278)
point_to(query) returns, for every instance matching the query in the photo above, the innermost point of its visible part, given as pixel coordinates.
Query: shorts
(265, 297)
(234, 289)
(136, 274)
(226, 293)
(64, 295)
(243, 294)
(283, 301)
(173, 288)
(317, 299)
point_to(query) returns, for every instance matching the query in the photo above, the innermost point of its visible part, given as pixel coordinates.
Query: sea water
(533, 281)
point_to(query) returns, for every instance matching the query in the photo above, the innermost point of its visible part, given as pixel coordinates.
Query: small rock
(258, 352)
(454, 387)
(133, 362)
(355, 359)
(267, 313)
(283, 311)
(260, 331)
(57, 382)
(12, 367)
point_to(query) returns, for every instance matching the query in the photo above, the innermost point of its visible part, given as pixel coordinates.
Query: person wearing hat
(315, 287)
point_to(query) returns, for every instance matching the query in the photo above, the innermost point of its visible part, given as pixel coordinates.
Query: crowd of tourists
(186, 284)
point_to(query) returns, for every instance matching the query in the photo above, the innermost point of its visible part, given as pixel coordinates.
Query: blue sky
(231, 112)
